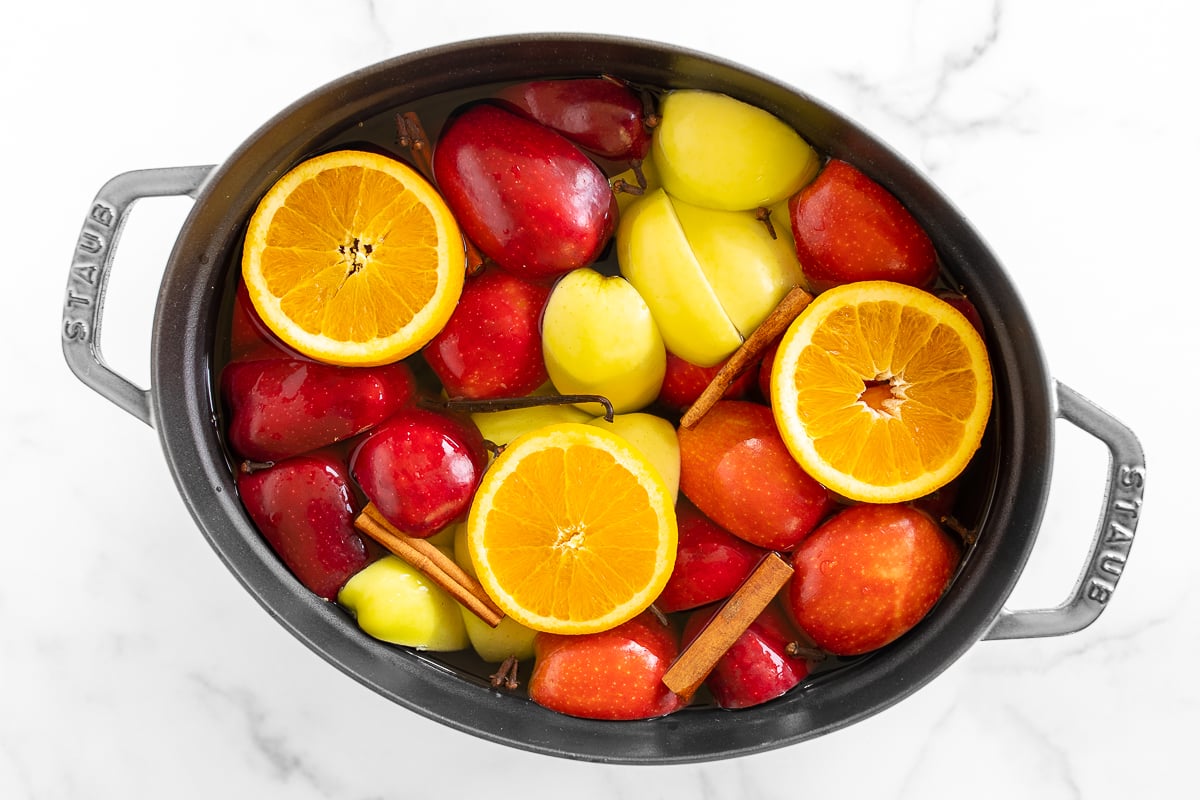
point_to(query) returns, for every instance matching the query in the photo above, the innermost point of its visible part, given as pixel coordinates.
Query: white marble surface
(133, 665)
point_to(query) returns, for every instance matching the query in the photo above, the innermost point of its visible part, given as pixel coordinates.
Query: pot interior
(1002, 496)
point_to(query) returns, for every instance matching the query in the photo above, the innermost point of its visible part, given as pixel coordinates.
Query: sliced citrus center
(353, 258)
(881, 391)
(572, 530)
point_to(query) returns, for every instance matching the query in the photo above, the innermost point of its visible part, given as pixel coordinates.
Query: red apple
(684, 381)
(756, 667)
(284, 407)
(528, 198)
(868, 575)
(764, 369)
(849, 228)
(734, 466)
(420, 469)
(710, 562)
(305, 509)
(249, 337)
(614, 674)
(598, 114)
(492, 344)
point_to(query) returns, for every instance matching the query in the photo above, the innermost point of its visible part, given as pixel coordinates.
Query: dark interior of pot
(1001, 501)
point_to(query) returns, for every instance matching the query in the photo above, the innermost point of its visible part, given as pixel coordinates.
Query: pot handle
(83, 306)
(1114, 531)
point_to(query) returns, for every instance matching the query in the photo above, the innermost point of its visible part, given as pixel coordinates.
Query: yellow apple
(599, 337)
(501, 427)
(716, 151)
(656, 258)
(493, 645)
(654, 437)
(395, 602)
(748, 270)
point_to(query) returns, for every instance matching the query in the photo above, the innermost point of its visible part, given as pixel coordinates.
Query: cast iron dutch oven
(1007, 487)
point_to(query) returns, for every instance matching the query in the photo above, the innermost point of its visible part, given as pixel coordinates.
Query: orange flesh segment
(353, 258)
(577, 535)
(906, 440)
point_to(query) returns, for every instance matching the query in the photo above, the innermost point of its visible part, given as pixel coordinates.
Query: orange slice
(572, 530)
(881, 391)
(353, 258)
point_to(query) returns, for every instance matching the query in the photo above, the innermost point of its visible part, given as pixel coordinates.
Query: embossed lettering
(1128, 507)
(90, 242)
(75, 330)
(1131, 477)
(1118, 533)
(1099, 592)
(77, 300)
(1112, 563)
(86, 273)
(102, 214)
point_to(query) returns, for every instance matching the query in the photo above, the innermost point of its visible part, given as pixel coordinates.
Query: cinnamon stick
(733, 617)
(744, 357)
(436, 565)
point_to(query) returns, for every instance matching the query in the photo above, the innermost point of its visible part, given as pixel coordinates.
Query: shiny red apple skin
(710, 562)
(612, 675)
(756, 667)
(684, 381)
(249, 337)
(735, 467)
(524, 195)
(764, 369)
(284, 407)
(492, 345)
(420, 468)
(305, 508)
(849, 228)
(602, 116)
(868, 575)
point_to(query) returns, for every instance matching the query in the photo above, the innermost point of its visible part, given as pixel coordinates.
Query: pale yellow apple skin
(393, 601)
(599, 337)
(715, 151)
(748, 270)
(654, 437)
(501, 427)
(509, 638)
(656, 258)
(493, 645)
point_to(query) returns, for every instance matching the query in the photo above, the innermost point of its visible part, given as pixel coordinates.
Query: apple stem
(650, 117)
(805, 652)
(250, 467)
(468, 406)
(966, 534)
(659, 615)
(620, 185)
(506, 676)
(636, 166)
(763, 215)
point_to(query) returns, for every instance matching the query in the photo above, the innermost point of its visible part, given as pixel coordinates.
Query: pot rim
(183, 406)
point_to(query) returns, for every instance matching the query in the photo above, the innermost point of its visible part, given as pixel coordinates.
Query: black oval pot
(1008, 485)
